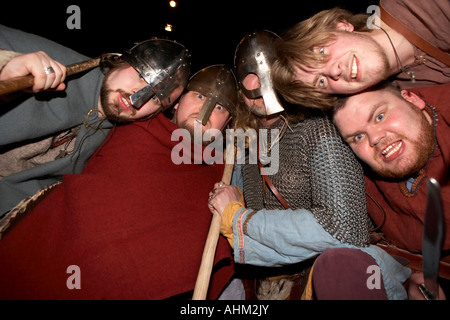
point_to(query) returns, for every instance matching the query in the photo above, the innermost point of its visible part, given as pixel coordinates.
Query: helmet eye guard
(218, 84)
(164, 65)
(254, 55)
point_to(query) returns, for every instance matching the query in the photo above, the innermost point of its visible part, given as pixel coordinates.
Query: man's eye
(380, 117)
(155, 98)
(320, 50)
(219, 107)
(200, 96)
(321, 83)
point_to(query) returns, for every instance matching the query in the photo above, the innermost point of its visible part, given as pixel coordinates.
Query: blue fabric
(271, 241)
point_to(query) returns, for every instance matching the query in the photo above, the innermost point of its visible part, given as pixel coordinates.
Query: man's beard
(382, 72)
(423, 149)
(189, 127)
(257, 110)
(112, 110)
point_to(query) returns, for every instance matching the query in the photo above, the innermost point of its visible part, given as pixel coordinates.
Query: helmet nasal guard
(254, 54)
(164, 64)
(218, 84)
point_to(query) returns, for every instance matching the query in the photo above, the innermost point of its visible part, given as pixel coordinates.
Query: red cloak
(133, 222)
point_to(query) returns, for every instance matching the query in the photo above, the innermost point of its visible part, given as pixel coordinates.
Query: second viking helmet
(164, 64)
(218, 84)
(254, 54)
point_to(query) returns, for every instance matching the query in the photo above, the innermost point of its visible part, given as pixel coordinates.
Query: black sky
(210, 30)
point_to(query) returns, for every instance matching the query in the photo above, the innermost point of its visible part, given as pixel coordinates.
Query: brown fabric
(413, 260)
(415, 39)
(431, 21)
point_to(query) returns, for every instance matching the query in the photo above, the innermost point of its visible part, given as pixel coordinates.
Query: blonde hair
(296, 47)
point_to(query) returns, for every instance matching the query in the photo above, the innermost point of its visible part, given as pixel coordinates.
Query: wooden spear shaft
(209, 251)
(21, 83)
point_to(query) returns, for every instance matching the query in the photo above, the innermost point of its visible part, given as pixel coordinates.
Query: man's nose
(335, 70)
(374, 135)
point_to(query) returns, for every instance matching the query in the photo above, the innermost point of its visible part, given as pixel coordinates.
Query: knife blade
(432, 239)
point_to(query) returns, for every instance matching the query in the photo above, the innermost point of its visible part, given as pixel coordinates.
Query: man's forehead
(308, 74)
(353, 107)
(359, 108)
(300, 67)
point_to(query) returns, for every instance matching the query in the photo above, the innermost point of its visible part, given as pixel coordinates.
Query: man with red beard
(402, 137)
(134, 222)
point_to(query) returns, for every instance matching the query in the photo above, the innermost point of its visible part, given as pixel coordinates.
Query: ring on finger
(49, 70)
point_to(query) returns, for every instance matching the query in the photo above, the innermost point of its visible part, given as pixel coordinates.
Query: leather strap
(413, 260)
(272, 187)
(415, 39)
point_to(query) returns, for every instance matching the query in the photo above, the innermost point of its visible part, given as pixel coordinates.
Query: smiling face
(115, 93)
(352, 62)
(392, 134)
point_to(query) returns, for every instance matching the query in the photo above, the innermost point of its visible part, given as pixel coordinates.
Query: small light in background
(173, 4)
(168, 27)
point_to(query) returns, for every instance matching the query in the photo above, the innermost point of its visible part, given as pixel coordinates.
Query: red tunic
(133, 222)
(405, 215)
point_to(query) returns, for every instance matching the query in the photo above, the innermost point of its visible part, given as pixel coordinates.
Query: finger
(55, 74)
(40, 68)
(47, 72)
(60, 74)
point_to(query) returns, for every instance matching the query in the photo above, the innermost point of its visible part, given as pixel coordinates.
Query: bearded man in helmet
(55, 130)
(134, 222)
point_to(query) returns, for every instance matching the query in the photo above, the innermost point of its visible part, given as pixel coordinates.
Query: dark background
(210, 30)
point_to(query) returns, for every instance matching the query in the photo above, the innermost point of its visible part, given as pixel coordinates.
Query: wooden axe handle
(21, 83)
(209, 251)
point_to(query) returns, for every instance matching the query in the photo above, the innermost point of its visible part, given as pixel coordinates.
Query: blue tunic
(46, 114)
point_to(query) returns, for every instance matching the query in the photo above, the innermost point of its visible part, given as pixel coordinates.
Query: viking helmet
(254, 54)
(218, 84)
(164, 64)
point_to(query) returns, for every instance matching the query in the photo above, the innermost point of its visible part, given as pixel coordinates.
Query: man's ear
(345, 26)
(413, 98)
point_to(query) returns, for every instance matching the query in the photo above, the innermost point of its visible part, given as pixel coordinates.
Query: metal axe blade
(432, 239)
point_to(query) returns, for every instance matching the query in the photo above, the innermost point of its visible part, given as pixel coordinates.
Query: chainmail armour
(307, 178)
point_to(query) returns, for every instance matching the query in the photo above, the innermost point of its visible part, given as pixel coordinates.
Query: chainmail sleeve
(338, 188)
(320, 173)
